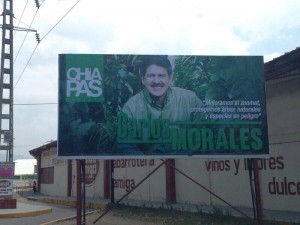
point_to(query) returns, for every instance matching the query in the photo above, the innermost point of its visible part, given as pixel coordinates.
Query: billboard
(6, 188)
(159, 106)
(7, 170)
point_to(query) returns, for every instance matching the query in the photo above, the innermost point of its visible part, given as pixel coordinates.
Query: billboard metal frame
(210, 107)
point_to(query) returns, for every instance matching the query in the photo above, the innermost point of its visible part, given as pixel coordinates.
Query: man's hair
(159, 60)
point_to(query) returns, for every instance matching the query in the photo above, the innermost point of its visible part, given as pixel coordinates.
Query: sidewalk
(24, 209)
(95, 204)
(68, 201)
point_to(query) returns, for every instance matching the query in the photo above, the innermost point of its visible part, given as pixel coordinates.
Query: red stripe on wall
(170, 181)
(69, 185)
(106, 181)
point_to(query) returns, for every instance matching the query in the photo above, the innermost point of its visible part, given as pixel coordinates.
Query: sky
(24, 166)
(199, 27)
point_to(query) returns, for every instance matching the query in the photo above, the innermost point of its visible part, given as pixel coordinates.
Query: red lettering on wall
(131, 163)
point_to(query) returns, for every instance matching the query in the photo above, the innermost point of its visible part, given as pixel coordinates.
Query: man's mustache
(157, 85)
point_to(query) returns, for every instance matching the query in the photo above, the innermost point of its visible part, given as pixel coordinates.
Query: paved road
(58, 212)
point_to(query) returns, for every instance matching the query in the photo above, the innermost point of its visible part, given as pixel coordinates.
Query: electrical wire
(25, 146)
(61, 19)
(44, 103)
(42, 40)
(31, 145)
(284, 142)
(15, 35)
(21, 17)
(19, 28)
(28, 26)
(42, 3)
(25, 37)
(25, 66)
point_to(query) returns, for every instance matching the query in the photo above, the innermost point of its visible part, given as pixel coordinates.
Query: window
(47, 175)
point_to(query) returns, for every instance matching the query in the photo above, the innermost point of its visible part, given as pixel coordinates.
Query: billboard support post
(124, 196)
(257, 193)
(80, 169)
(112, 187)
(78, 195)
(255, 189)
(82, 163)
(205, 188)
(251, 179)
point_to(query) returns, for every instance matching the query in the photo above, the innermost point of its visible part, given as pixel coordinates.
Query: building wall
(281, 183)
(130, 172)
(94, 178)
(59, 185)
(225, 178)
(228, 178)
(283, 105)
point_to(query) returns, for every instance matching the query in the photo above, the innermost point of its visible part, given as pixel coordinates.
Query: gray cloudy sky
(233, 27)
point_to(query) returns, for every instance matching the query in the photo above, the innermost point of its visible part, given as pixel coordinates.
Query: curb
(69, 202)
(68, 218)
(25, 214)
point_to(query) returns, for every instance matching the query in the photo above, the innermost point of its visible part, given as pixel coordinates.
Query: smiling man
(158, 104)
(156, 79)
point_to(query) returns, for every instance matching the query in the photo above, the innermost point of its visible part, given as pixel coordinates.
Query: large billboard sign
(158, 106)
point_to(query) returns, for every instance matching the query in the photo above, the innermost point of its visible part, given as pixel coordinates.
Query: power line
(25, 66)
(31, 145)
(19, 28)
(15, 34)
(23, 40)
(25, 37)
(61, 19)
(21, 16)
(42, 3)
(23, 146)
(284, 142)
(44, 103)
(43, 39)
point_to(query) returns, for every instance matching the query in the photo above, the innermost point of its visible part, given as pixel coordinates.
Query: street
(58, 212)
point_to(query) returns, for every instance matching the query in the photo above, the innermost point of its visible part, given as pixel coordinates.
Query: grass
(174, 217)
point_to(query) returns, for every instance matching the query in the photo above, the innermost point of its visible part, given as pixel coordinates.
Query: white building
(24, 167)
(228, 178)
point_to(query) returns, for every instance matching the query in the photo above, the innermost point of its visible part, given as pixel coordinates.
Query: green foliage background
(93, 125)
(221, 78)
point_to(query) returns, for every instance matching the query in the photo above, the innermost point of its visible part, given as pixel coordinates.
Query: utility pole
(6, 82)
